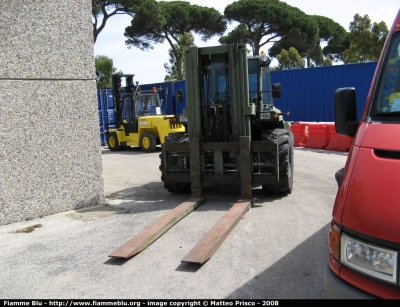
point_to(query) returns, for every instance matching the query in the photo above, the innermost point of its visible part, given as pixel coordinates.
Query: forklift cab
(147, 104)
(133, 104)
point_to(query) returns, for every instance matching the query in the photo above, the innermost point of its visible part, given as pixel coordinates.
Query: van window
(386, 105)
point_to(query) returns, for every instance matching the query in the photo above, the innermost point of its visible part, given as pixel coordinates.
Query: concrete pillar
(50, 155)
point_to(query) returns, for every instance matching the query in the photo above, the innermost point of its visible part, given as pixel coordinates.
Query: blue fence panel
(308, 93)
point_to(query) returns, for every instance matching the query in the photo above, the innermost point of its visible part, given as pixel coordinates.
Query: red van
(364, 238)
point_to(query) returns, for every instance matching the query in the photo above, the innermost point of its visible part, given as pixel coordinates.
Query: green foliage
(176, 72)
(329, 30)
(334, 51)
(366, 40)
(310, 47)
(334, 35)
(102, 10)
(290, 59)
(173, 18)
(104, 70)
(170, 21)
(265, 21)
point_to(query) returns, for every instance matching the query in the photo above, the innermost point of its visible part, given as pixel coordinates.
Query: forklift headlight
(369, 259)
(264, 59)
(182, 119)
(265, 115)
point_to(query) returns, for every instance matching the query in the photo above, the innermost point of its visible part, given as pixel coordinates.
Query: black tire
(112, 142)
(148, 142)
(173, 187)
(177, 137)
(286, 161)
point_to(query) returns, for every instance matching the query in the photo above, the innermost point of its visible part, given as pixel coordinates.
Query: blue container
(111, 118)
(178, 107)
(106, 112)
(103, 139)
(100, 114)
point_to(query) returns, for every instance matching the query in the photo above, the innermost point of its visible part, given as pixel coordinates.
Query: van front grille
(388, 154)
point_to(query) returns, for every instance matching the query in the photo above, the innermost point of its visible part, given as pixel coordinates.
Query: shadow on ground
(153, 197)
(298, 275)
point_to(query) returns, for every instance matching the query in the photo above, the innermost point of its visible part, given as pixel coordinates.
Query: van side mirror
(345, 111)
(179, 96)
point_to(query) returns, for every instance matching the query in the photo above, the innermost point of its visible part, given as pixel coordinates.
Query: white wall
(50, 155)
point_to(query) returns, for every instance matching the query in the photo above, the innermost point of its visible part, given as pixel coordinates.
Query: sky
(148, 66)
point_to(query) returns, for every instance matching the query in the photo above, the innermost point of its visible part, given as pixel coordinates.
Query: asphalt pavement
(277, 251)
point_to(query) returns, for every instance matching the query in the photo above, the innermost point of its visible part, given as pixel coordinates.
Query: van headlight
(369, 259)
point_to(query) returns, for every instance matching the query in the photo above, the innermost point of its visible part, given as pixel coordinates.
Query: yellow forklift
(139, 121)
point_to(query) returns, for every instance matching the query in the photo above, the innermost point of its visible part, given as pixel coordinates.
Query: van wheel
(148, 142)
(112, 142)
